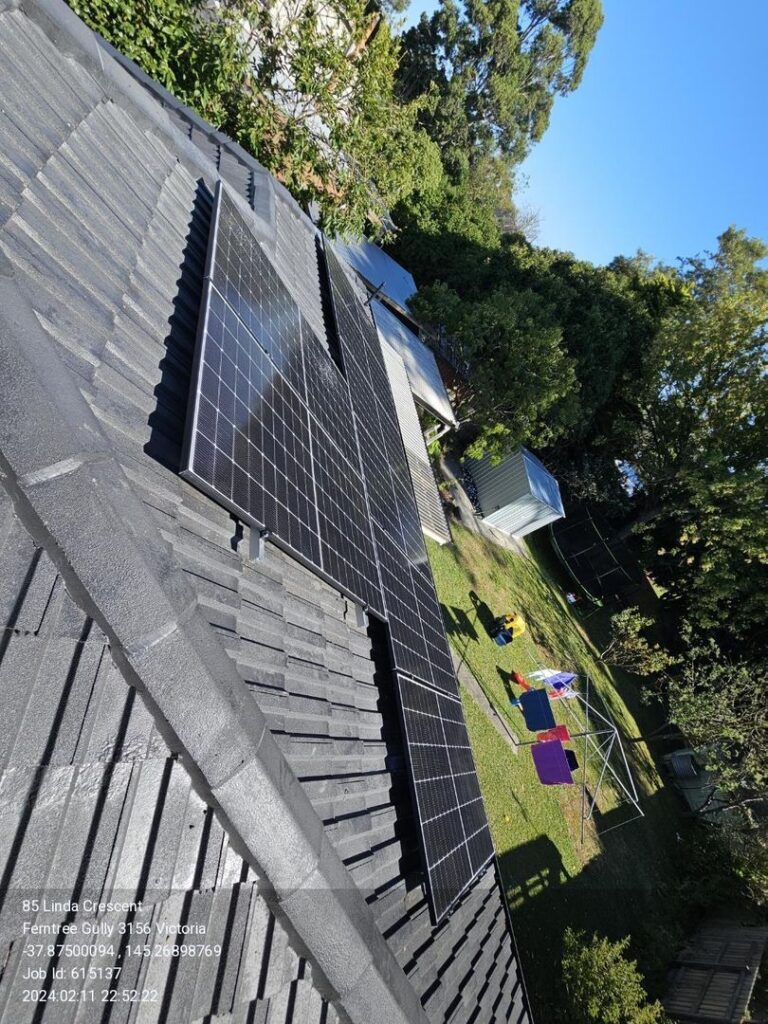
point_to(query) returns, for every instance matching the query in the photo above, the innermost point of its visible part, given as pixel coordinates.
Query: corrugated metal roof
(543, 485)
(379, 270)
(420, 364)
(104, 219)
(431, 514)
(517, 494)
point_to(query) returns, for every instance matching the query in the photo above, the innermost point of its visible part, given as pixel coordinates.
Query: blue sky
(665, 143)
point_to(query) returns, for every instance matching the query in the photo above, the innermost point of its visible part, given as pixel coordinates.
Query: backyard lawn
(622, 882)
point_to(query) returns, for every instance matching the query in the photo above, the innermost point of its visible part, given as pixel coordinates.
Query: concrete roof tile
(346, 775)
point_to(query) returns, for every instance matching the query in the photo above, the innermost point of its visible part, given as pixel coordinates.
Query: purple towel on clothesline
(551, 762)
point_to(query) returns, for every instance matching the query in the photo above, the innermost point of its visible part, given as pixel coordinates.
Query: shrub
(601, 986)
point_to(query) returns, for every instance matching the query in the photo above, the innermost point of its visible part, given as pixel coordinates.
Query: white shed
(517, 495)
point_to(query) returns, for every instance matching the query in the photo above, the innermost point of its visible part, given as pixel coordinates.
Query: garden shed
(517, 495)
(714, 976)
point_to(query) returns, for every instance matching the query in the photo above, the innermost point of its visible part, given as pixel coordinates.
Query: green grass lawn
(623, 882)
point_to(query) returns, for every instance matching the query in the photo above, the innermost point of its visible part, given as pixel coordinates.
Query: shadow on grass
(604, 897)
(464, 625)
(485, 616)
(531, 870)
(507, 678)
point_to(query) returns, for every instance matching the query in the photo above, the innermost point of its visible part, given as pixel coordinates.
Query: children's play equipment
(603, 567)
(508, 628)
(595, 732)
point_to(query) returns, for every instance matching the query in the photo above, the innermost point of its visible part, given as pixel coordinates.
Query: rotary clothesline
(554, 763)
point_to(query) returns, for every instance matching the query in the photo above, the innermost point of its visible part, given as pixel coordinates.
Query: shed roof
(379, 270)
(543, 485)
(421, 366)
(164, 695)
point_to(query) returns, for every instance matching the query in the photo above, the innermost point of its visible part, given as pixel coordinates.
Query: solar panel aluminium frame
(191, 432)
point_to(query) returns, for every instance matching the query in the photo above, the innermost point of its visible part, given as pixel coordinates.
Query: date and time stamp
(84, 961)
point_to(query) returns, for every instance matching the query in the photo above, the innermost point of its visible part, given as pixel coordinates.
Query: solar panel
(280, 436)
(417, 634)
(249, 284)
(251, 443)
(455, 837)
(270, 433)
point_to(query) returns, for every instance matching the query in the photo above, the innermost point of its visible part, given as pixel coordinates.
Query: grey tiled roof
(93, 805)
(104, 210)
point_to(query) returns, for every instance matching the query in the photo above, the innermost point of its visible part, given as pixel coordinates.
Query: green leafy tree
(631, 649)
(307, 87)
(443, 223)
(601, 985)
(600, 319)
(513, 360)
(719, 704)
(692, 422)
(492, 69)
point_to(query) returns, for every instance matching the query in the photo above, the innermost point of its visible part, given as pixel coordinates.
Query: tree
(492, 69)
(602, 317)
(601, 985)
(513, 360)
(631, 649)
(692, 423)
(719, 704)
(306, 86)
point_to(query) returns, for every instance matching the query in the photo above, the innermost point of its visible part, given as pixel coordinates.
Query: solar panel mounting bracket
(258, 545)
(376, 294)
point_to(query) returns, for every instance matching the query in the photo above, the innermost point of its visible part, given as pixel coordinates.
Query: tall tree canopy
(307, 86)
(595, 320)
(719, 704)
(511, 347)
(493, 69)
(692, 424)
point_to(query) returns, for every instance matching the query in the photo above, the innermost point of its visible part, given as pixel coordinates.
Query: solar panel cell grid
(455, 836)
(271, 437)
(246, 278)
(281, 437)
(328, 395)
(348, 553)
(251, 442)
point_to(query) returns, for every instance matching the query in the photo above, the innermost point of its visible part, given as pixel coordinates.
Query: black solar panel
(251, 443)
(248, 282)
(419, 644)
(271, 433)
(455, 836)
(281, 437)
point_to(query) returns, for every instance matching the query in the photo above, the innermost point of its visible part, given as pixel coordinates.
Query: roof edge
(125, 82)
(73, 496)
